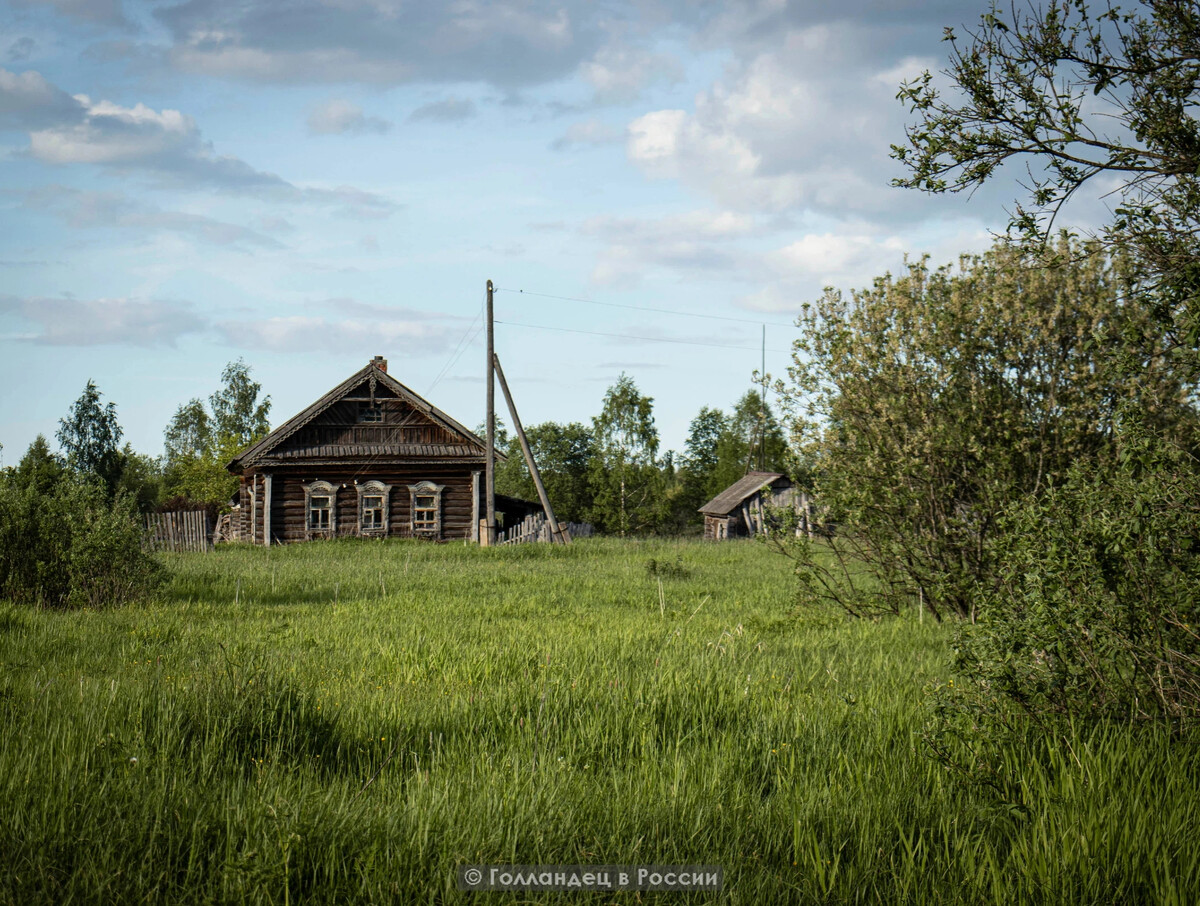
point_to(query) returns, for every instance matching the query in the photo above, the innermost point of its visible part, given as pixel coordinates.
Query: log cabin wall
(289, 517)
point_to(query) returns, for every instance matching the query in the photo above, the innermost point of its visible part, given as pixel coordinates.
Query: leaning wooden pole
(488, 537)
(556, 532)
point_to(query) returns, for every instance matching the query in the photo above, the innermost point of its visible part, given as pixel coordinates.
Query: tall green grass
(349, 722)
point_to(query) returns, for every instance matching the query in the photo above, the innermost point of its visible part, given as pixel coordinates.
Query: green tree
(1127, 535)
(39, 469)
(934, 400)
(1077, 97)
(72, 545)
(752, 437)
(700, 458)
(1103, 96)
(690, 484)
(199, 444)
(624, 479)
(189, 434)
(89, 436)
(141, 479)
(237, 412)
(563, 454)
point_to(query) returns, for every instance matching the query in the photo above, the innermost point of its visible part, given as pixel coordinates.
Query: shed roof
(731, 498)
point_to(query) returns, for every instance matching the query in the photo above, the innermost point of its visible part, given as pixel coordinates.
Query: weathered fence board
(187, 530)
(536, 527)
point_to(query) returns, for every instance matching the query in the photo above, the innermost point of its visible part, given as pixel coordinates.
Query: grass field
(349, 722)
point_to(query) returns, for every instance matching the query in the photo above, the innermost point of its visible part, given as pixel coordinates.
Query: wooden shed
(370, 458)
(740, 510)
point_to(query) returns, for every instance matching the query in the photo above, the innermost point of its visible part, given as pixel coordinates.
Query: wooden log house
(370, 458)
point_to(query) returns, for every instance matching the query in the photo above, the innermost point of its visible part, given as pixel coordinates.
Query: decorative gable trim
(374, 377)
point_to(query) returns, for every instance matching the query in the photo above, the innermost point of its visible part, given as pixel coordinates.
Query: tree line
(71, 521)
(610, 472)
(199, 441)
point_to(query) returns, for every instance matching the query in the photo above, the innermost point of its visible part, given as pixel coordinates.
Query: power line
(450, 365)
(661, 311)
(459, 349)
(621, 336)
(463, 345)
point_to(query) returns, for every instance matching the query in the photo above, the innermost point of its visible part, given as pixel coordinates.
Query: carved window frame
(374, 488)
(320, 489)
(425, 489)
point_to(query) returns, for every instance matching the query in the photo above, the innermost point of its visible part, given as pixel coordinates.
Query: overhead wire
(661, 311)
(472, 332)
(460, 349)
(621, 336)
(464, 343)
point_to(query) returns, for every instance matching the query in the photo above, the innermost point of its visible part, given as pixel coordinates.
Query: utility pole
(488, 537)
(556, 531)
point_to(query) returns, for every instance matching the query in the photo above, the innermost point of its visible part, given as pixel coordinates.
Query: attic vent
(380, 362)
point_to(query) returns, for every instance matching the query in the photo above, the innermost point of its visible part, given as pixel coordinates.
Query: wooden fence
(536, 527)
(182, 531)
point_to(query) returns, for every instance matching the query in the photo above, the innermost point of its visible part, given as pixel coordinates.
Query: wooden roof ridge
(262, 447)
(731, 498)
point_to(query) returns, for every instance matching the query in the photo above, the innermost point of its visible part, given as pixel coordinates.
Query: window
(372, 513)
(426, 500)
(425, 513)
(320, 509)
(318, 513)
(373, 498)
(370, 413)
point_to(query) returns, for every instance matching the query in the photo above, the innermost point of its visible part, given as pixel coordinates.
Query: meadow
(350, 722)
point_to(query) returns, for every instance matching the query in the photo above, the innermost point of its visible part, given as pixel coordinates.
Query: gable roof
(376, 376)
(731, 498)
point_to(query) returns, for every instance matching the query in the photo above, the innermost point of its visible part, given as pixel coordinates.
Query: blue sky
(305, 184)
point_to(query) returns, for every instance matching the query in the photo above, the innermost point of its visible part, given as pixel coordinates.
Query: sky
(305, 184)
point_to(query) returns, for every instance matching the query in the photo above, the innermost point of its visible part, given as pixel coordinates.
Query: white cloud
(105, 322)
(385, 42)
(619, 74)
(113, 210)
(827, 257)
(802, 125)
(28, 100)
(98, 12)
(851, 257)
(340, 117)
(110, 134)
(296, 332)
(590, 133)
(695, 241)
(908, 69)
(447, 110)
(164, 144)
